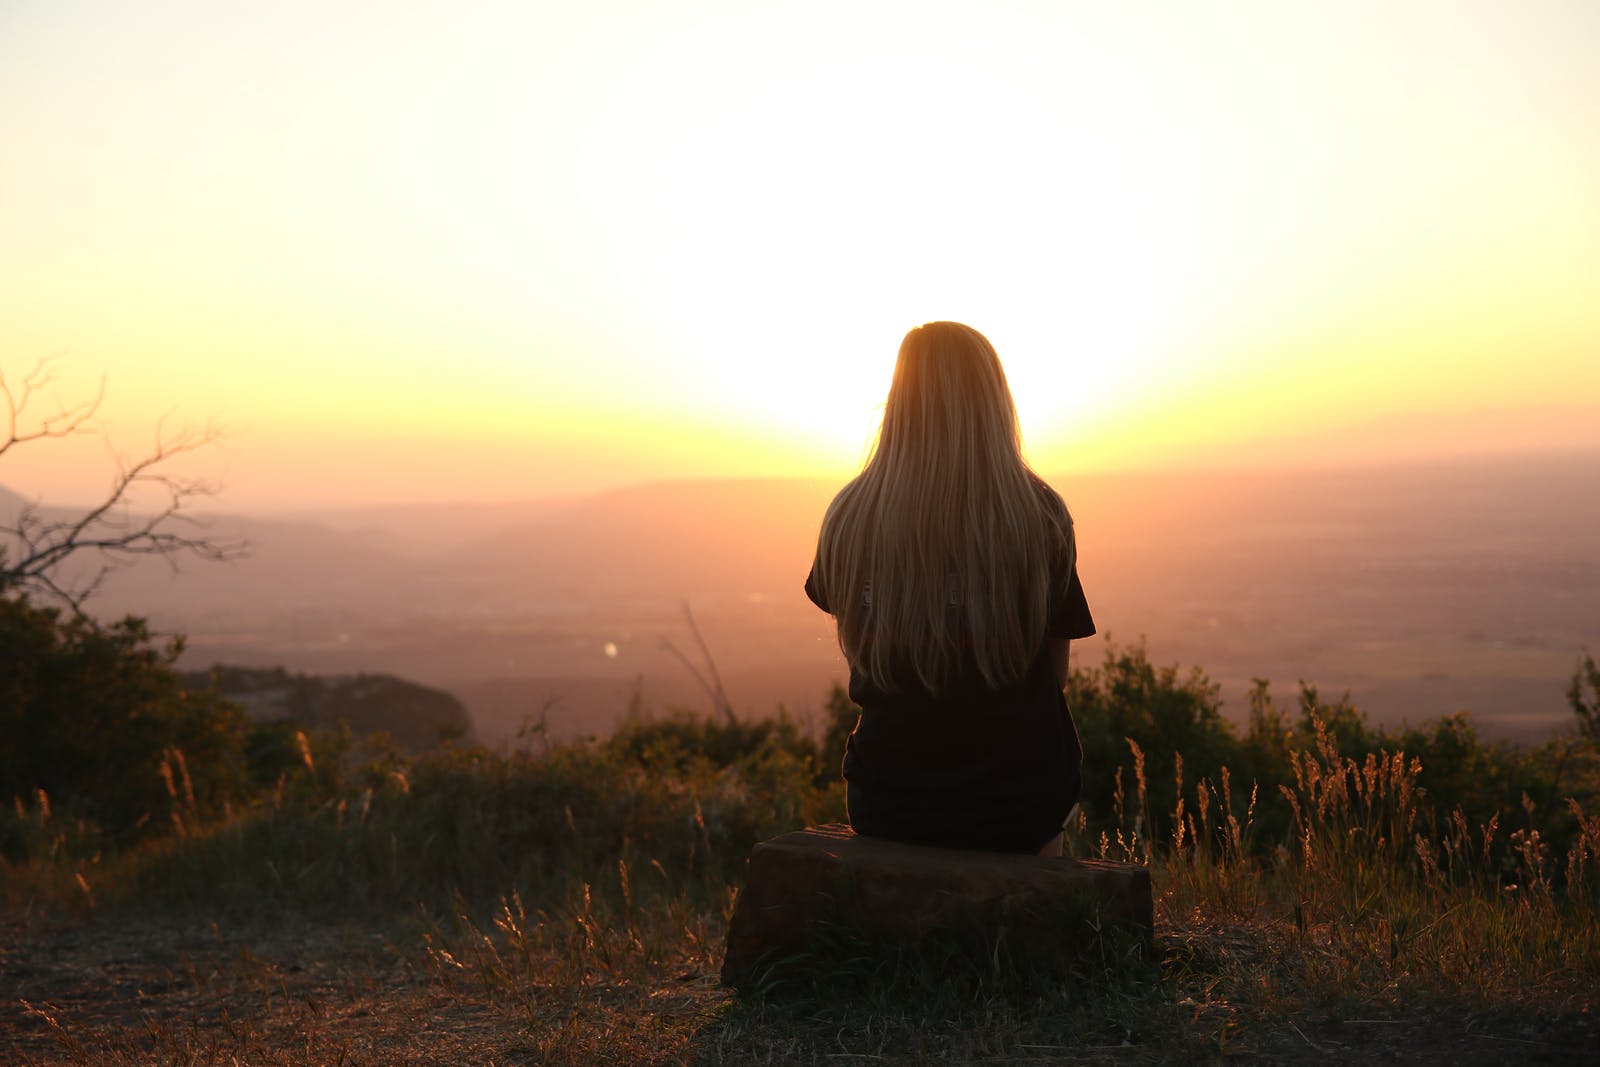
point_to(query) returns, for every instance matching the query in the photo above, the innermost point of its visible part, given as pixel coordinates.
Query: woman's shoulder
(1053, 504)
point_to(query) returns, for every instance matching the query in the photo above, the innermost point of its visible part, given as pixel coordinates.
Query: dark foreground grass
(570, 907)
(148, 989)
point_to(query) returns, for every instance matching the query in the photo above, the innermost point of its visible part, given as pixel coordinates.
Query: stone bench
(804, 883)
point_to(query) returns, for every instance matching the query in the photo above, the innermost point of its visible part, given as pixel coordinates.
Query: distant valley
(1420, 589)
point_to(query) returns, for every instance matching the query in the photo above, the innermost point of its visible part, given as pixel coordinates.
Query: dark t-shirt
(974, 767)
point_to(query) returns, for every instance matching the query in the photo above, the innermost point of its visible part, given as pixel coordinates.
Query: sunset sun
(589, 250)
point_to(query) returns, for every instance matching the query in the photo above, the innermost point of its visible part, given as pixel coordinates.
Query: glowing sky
(432, 251)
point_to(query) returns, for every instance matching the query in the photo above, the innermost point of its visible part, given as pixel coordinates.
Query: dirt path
(171, 992)
(165, 991)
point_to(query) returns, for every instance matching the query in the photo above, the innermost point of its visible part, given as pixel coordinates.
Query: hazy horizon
(1291, 464)
(1253, 458)
(1423, 589)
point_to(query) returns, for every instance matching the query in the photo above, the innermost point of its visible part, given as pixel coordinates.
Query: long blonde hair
(938, 556)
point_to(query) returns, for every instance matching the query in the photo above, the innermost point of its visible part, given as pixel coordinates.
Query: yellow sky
(435, 251)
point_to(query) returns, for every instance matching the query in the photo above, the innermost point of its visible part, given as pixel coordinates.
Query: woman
(950, 569)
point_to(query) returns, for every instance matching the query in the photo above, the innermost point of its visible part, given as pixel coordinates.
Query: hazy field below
(1422, 590)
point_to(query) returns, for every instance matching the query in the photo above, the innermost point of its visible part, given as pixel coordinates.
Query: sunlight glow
(553, 246)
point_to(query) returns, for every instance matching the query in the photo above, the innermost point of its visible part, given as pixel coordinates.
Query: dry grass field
(568, 905)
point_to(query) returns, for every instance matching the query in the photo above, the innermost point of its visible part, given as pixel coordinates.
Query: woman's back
(950, 569)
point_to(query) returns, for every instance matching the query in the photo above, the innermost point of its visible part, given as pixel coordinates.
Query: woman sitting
(950, 569)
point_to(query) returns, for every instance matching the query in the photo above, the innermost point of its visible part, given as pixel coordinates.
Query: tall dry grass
(587, 886)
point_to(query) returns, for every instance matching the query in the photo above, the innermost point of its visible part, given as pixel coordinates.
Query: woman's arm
(1058, 658)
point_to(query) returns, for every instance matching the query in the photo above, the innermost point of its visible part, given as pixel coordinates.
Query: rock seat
(805, 883)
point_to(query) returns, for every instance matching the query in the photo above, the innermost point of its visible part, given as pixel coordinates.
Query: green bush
(1136, 720)
(96, 720)
(1163, 713)
(680, 739)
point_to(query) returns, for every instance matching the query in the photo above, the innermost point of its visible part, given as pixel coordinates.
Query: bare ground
(168, 991)
(173, 992)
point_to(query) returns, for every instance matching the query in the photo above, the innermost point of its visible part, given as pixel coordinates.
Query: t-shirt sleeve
(813, 590)
(1069, 608)
(1069, 612)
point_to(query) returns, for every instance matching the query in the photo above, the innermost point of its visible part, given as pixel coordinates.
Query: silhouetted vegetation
(403, 714)
(95, 721)
(1173, 721)
(1583, 694)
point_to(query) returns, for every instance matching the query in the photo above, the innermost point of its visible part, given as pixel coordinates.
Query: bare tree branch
(144, 512)
(712, 685)
(68, 420)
